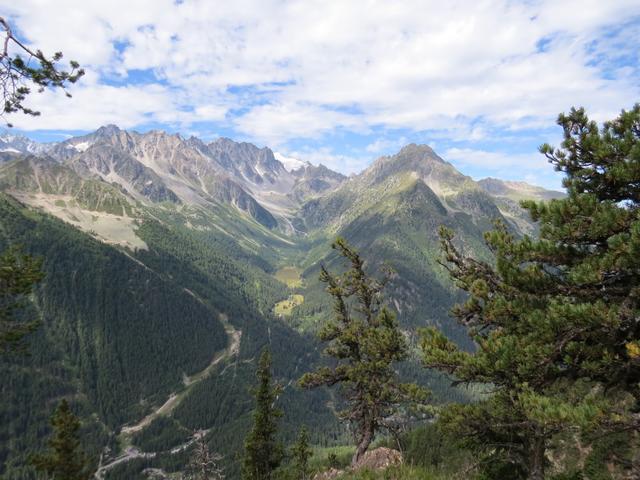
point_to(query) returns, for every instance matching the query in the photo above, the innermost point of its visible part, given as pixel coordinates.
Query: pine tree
(365, 340)
(204, 465)
(263, 453)
(21, 72)
(591, 240)
(301, 453)
(65, 459)
(19, 273)
(555, 318)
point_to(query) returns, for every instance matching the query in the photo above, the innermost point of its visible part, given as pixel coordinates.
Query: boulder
(379, 459)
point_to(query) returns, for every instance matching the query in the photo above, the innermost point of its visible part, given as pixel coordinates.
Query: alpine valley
(187, 258)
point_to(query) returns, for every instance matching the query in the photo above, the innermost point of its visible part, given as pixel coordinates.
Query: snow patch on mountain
(290, 164)
(82, 146)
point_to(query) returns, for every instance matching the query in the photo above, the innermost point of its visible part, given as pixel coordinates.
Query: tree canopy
(19, 273)
(365, 340)
(263, 452)
(65, 459)
(555, 318)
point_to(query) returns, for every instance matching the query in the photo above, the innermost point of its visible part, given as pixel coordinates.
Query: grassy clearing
(289, 276)
(320, 458)
(285, 307)
(342, 457)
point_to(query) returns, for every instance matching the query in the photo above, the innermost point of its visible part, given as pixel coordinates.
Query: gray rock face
(312, 182)
(18, 144)
(158, 167)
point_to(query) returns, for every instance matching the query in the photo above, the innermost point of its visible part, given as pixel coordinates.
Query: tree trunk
(537, 458)
(365, 440)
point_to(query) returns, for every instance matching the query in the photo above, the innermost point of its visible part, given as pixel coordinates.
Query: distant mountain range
(134, 170)
(185, 249)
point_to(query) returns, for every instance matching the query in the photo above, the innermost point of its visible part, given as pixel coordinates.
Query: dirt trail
(233, 348)
(174, 399)
(132, 452)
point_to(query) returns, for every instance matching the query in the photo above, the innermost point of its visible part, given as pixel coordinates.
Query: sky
(341, 82)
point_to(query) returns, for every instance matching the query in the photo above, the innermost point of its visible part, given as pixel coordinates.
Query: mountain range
(189, 257)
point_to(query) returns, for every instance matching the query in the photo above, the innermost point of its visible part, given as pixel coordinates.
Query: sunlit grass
(289, 276)
(285, 307)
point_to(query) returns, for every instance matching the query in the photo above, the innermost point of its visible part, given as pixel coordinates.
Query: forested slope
(116, 337)
(120, 330)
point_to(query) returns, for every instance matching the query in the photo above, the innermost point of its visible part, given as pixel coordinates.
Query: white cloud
(345, 164)
(385, 144)
(126, 107)
(532, 168)
(494, 160)
(304, 68)
(275, 124)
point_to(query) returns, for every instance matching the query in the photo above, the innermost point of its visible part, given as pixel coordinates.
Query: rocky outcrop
(377, 459)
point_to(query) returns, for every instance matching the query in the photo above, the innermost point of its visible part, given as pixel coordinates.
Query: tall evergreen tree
(555, 318)
(301, 453)
(19, 273)
(263, 452)
(65, 459)
(590, 245)
(365, 340)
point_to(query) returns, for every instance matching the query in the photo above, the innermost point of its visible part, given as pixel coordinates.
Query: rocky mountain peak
(422, 151)
(421, 162)
(12, 143)
(252, 163)
(411, 157)
(107, 130)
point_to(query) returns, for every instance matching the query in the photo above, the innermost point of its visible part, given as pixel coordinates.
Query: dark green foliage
(557, 315)
(108, 337)
(591, 241)
(400, 228)
(163, 434)
(430, 447)
(530, 403)
(65, 459)
(211, 268)
(569, 476)
(365, 340)
(17, 74)
(300, 455)
(263, 453)
(220, 273)
(19, 273)
(121, 351)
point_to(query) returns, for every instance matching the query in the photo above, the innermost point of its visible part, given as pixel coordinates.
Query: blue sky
(341, 83)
